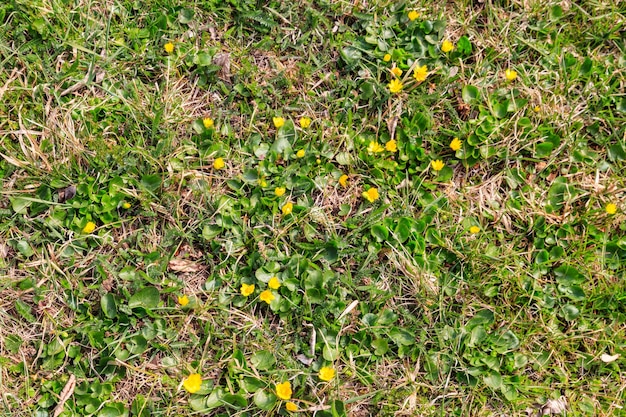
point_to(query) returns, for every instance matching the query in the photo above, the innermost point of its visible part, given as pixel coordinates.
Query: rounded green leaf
(147, 297)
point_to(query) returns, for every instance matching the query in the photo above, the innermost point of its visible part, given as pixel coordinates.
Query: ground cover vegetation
(312, 208)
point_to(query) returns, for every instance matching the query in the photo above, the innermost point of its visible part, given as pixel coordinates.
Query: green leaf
(464, 46)
(147, 297)
(567, 275)
(543, 149)
(265, 401)
(24, 310)
(107, 303)
(381, 346)
(469, 94)
(570, 312)
(20, 205)
(380, 232)
(151, 182)
(351, 56)
(185, 16)
(263, 360)
(24, 248)
(137, 344)
(338, 409)
(202, 59)
(13, 343)
(285, 135)
(401, 336)
(493, 380)
(235, 401)
(477, 336)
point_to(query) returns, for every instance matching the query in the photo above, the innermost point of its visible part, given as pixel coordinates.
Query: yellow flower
(169, 47)
(343, 180)
(305, 122)
(274, 283)
(420, 73)
(300, 153)
(262, 182)
(395, 86)
(396, 71)
(510, 74)
(446, 46)
(413, 15)
(89, 227)
(536, 109)
(267, 296)
(387, 57)
(474, 229)
(287, 208)
(246, 289)
(279, 191)
(437, 164)
(283, 391)
(208, 122)
(374, 147)
(611, 208)
(219, 163)
(456, 144)
(392, 146)
(371, 195)
(278, 122)
(193, 383)
(183, 301)
(126, 205)
(290, 406)
(327, 373)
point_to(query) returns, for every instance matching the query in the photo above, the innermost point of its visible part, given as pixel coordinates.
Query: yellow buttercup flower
(395, 86)
(343, 180)
(169, 47)
(278, 122)
(446, 46)
(126, 205)
(219, 163)
(193, 383)
(510, 74)
(267, 296)
(279, 191)
(387, 57)
(374, 147)
(536, 109)
(437, 164)
(246, 289)
(456, 144)
(611, 208)
(274, 283)
(305, 122)
(327, 373)
(396, 71)
(420, 73)
(392, 145)
(413, 15)
(287, 208)
(290, 406)
(283, 391)
(474, 229)
(208, 122)
(183, 301)
(300, 153)
(371, 195)
(89, 227)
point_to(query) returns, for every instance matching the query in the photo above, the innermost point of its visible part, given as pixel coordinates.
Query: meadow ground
(329, 208)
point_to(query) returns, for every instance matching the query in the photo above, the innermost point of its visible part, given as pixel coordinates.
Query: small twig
(67, 392)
